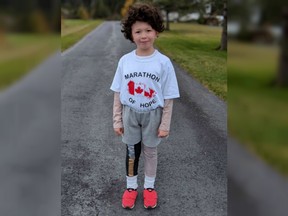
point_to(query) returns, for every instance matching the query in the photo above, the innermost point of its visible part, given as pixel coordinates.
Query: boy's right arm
(117, 115)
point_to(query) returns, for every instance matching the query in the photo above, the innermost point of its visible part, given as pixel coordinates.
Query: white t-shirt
(145, 81)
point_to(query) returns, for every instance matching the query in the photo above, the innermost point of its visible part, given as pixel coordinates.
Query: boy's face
(143, 36)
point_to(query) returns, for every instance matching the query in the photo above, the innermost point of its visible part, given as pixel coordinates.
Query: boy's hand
(119, 131)
(162, 134)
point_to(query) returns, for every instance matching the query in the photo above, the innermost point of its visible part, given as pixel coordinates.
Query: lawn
(72, 30)
(257, 109)
(20, 53)
(192, 46)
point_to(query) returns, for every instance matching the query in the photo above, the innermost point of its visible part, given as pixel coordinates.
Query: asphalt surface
(191, 177)
(30, 175)
(254, 187)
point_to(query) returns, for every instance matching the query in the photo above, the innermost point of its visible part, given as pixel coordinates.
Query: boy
(145, 85)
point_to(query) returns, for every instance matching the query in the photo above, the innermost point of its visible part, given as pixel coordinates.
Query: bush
(82, 13)
(38, 22)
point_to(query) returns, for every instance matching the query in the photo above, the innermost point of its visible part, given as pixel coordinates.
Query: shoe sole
(127, 207)
(150, 207)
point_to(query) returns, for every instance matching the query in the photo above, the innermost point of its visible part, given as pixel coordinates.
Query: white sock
(149, 182)
(132, 182)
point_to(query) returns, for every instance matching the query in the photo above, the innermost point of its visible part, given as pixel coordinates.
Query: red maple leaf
(139, 90)
(149, 94)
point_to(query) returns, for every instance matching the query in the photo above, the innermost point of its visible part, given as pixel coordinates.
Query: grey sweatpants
(141, 126)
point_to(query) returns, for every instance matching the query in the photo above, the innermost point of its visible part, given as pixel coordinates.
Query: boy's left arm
(164, 128)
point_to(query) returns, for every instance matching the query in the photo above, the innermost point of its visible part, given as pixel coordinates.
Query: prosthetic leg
(132, 159)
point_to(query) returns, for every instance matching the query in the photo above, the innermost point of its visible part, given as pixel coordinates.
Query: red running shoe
(129, 198)
(150, 198)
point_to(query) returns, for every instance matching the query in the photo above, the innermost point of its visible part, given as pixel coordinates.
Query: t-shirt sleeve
(116, 84)
(170, 88)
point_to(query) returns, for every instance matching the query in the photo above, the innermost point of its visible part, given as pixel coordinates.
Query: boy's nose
(143, 35)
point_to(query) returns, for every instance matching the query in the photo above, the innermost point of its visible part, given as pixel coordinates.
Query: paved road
(254, 187)
(192, 162)
(29, 143)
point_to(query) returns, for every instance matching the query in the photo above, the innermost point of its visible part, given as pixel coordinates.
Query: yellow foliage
(126, 6)
(83, 13)
(39, 22)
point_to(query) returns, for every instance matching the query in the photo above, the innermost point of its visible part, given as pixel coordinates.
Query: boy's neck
(145, 52)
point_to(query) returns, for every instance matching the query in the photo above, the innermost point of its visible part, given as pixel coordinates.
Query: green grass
(193, 46)
(73, 30)
(257, 109)
(20, 53)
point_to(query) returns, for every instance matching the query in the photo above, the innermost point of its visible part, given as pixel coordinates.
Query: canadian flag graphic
(139, 88)
(131, 87)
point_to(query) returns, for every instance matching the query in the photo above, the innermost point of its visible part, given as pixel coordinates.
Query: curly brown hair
(143, 12)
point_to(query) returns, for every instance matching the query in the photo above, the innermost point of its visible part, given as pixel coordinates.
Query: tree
(282, 76)
(271, 12)
(223, 45)
(269, 15)
(170, 5)
(99, 9)
(126, 6)
(83, 13)
(218, 7)
(222, 5)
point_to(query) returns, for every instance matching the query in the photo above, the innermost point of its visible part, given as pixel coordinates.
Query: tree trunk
(224, 30)
(223, 42)
(56, 14)
(282, 78)
(167, 20)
